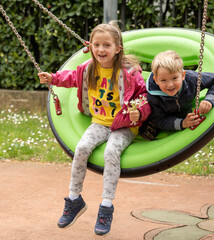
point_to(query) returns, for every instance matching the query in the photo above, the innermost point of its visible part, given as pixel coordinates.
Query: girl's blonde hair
(169, 60)
(120, 61)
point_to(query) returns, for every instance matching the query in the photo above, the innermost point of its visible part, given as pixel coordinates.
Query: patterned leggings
(117, 142)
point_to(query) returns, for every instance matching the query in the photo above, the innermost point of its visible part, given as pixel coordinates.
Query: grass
(26, 136)
(200, 164)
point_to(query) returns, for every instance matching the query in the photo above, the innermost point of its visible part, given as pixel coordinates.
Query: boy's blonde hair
(169, 60)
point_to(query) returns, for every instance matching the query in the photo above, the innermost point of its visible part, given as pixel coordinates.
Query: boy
(171, 92)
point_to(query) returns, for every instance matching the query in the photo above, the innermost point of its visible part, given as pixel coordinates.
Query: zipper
(177, 103)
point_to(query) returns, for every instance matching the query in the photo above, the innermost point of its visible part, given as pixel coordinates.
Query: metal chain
(204, 21)
(20, 39)
(25, 48)
(84, 42)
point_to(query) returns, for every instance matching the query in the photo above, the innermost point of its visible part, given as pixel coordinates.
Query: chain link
(60, 22)
(204, 21)
(20, 39)
(26, 49)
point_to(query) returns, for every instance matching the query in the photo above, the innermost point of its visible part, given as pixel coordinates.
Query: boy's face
(169, 83)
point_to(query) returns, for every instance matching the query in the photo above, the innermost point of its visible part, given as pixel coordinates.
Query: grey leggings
(117, 142)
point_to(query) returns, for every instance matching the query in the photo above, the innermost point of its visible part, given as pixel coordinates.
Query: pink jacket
(128, 90)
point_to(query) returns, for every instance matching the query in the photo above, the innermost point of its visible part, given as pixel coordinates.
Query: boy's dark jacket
(168, 112)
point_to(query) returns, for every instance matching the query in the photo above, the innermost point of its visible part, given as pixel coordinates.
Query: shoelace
(68, 209)
(104, 219)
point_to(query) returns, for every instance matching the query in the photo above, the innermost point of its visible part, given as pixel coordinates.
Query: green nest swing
(142, 157)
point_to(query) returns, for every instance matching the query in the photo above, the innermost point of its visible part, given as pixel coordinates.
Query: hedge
(51, 45)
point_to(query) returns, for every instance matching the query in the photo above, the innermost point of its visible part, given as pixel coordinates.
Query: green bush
(51, 45)
(48, 42)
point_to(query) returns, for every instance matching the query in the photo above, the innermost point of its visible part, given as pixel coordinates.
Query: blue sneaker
(104, 219)
(73, 209)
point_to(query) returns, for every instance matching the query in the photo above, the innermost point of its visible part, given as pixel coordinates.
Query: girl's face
(169, 83)
(104, 49)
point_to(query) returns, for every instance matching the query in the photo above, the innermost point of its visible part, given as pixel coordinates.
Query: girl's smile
(104, 49)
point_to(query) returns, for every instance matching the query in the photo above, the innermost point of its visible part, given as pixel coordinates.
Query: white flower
(134, 104)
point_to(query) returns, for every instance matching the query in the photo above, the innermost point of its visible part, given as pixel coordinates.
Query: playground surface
(161, 206)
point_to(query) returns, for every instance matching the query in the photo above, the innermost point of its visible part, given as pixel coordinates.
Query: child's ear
(155, 79)
(183, 75)
(118, 49)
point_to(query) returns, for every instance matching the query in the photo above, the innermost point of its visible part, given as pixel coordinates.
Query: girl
(104, 83)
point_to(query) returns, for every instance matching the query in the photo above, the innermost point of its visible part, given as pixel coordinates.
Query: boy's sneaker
(73, 209)
(104, 219)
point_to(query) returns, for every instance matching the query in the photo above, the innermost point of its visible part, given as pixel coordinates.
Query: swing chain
(204, 21)
(26, 49)
(20, 39)
(84, 42)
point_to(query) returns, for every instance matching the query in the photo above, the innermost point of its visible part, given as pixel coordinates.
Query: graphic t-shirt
(104, 101)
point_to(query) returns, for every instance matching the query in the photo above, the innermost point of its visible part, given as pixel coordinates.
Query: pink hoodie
(129, 89)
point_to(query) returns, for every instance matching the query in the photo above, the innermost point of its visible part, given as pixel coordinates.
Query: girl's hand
(191, 120)
(134, 115)
(45, 77)
(204, 107)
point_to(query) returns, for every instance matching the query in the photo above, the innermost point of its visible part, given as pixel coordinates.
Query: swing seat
(142, 157)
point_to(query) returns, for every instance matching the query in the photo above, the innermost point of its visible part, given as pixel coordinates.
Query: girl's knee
(111, 157)
(83, 149)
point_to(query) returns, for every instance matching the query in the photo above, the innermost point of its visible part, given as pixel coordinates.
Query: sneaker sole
(101, 233)
(78, 215)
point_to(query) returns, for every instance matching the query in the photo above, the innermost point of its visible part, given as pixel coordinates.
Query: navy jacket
(169, 112)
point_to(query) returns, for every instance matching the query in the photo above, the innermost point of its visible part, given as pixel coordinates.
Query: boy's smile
(169, 83)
